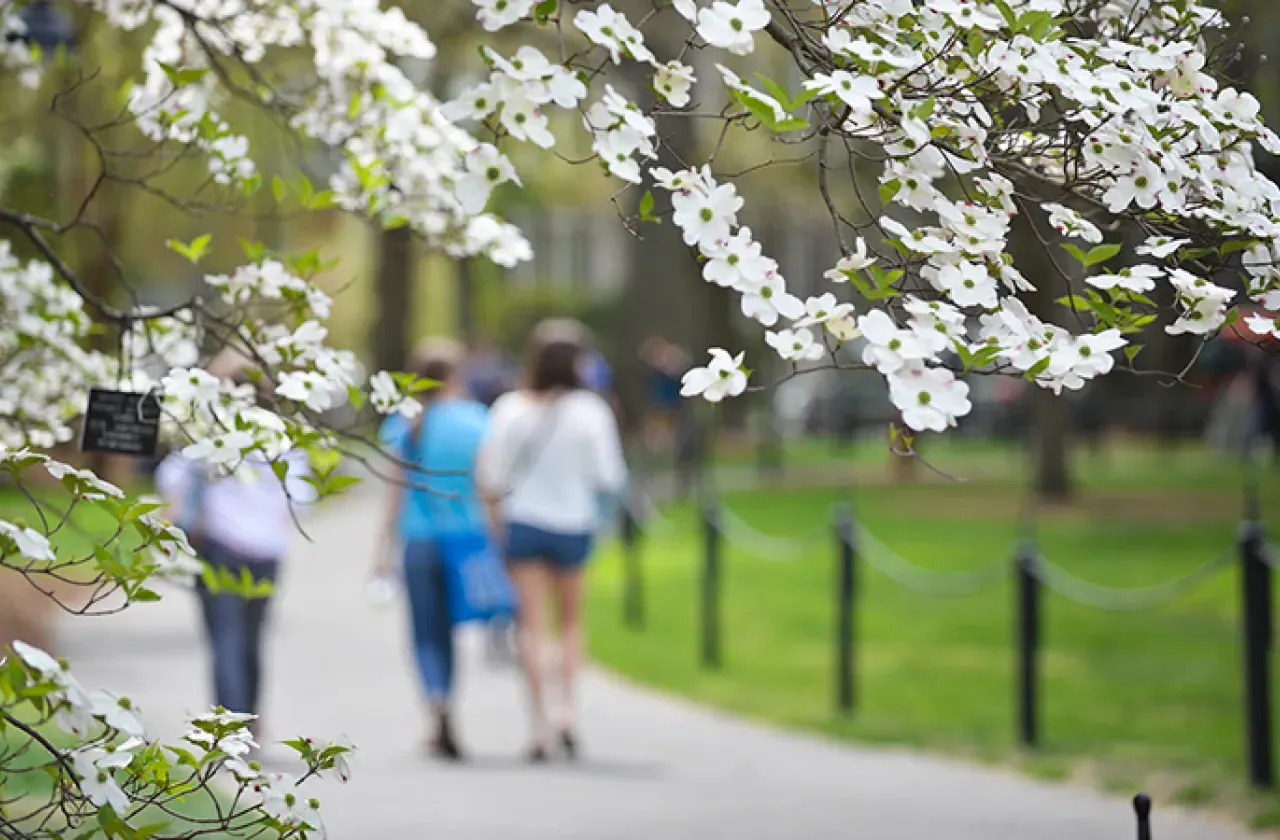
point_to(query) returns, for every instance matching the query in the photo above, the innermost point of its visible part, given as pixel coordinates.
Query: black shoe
(444, 745)
(538, 755)
(569, 745)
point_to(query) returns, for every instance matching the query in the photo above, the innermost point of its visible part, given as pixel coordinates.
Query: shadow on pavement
(581, 767)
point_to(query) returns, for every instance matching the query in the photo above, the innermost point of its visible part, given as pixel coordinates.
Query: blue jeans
(233, 626)
(429, 615)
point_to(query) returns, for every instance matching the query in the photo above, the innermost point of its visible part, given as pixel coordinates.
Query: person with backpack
(237, 524)
(432, 500)
(551, 451)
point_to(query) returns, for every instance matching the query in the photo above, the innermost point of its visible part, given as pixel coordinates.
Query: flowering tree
(1076, 116)
(933, 127)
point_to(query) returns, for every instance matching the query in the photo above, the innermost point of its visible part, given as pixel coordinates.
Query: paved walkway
(653, 768)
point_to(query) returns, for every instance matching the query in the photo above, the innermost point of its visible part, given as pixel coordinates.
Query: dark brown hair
(437, 359)
(554, 365)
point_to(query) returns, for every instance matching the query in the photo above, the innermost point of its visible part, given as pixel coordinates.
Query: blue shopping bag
(476, 585)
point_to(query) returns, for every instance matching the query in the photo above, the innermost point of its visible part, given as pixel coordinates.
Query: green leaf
(1236, 245)
(1074, 302)
(193, 252)
(1038, 368)
(323, 200)
(139, 509)
(278, 188)
(253, 251)
(1097, 254)
(143, 596)
(281, 469)
(925, 109)
(646, 208)
(774, 89)
(1131, 352)
(1008, 14)
(1101, 253)
(805, 96)
(338, 483)
(767, 115)
(146, 832)
(305, 190)
(889, 189)
(1036, 23)
(182, 76)
(545, 9)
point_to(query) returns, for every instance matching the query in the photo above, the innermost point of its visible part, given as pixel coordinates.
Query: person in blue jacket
(431, 494)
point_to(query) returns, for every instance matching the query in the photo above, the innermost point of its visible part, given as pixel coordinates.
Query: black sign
(122, 422)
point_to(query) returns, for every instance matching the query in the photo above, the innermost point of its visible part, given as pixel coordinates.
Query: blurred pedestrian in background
(551, 450)
(237, 524)
(669, 427)
(490, 372)
(432, 495)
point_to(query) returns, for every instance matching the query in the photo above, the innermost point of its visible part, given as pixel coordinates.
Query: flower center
(735, 24)
(924, 398)
(894, 344)
(493, 173)
(705, 214)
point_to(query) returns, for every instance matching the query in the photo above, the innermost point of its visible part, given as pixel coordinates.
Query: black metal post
(1255, 577)
(1142, 807)
(1028, 630)
(711, 587)
(846, 592)
(633, 574)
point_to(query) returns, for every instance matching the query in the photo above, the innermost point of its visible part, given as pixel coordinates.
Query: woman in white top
(240, 525)
(549, 455)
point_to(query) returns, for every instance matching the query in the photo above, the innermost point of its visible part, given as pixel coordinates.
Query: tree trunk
(394, 289)
(1050, 447)
(1050, 414)
(466, 301)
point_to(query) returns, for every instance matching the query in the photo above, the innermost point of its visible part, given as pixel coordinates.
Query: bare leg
(530, 580)
(568, 592)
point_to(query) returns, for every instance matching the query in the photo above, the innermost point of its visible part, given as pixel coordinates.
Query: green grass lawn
(1148, 698)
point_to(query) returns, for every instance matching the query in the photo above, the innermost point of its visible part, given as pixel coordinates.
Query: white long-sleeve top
(252, 518)
(550, 460)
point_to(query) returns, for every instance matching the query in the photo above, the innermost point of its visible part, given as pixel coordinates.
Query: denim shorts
(563, 552)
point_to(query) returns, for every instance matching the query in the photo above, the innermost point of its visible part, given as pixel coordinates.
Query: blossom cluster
(44, 367)
(978, 112)
(401, 157)
(114, 764)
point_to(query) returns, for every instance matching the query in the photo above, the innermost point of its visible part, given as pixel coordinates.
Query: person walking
(237, 524)
(551, 451)
(432, 495)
